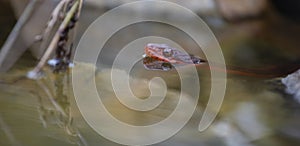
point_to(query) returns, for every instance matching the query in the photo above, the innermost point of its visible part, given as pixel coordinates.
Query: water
(254, 112)
(44, 112)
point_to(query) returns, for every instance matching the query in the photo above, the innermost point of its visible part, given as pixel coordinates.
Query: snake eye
(167, 52)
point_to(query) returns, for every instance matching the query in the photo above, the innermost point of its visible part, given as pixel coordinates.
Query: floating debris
(53, 62)
(34, 75)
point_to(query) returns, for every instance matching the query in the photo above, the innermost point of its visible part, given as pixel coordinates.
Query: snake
(163, 57)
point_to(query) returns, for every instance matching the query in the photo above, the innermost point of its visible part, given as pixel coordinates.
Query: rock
(292, 83)
(240, 9)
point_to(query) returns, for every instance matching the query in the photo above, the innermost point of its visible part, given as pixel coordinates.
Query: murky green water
(44, 112)
(254, 111)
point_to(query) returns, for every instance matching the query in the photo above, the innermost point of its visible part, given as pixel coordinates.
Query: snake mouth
(154, 64)
(197, 60)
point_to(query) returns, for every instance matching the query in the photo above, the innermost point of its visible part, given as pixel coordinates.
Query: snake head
(171, 55)
(160, 52)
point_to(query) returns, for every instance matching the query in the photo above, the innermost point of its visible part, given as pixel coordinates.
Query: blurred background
(252, 34)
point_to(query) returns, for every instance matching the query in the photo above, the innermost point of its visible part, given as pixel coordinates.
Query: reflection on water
(59, 113)
(44, 113)
(41, 111)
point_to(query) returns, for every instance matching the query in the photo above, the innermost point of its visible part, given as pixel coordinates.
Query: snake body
(164, 57)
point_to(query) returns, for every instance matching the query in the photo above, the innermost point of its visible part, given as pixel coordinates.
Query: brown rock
(241, 9)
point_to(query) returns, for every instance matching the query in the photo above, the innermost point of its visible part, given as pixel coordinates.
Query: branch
(35, 73)
(54, 16)
(17, 29)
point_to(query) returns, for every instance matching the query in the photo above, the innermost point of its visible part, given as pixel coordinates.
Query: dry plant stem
(55, 39)
(79, 8)
(17, 29)
(54, 16)
(74, 33)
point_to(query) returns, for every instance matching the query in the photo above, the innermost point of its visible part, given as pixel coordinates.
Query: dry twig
(6, 48)
(53, 19)
(35, 73)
